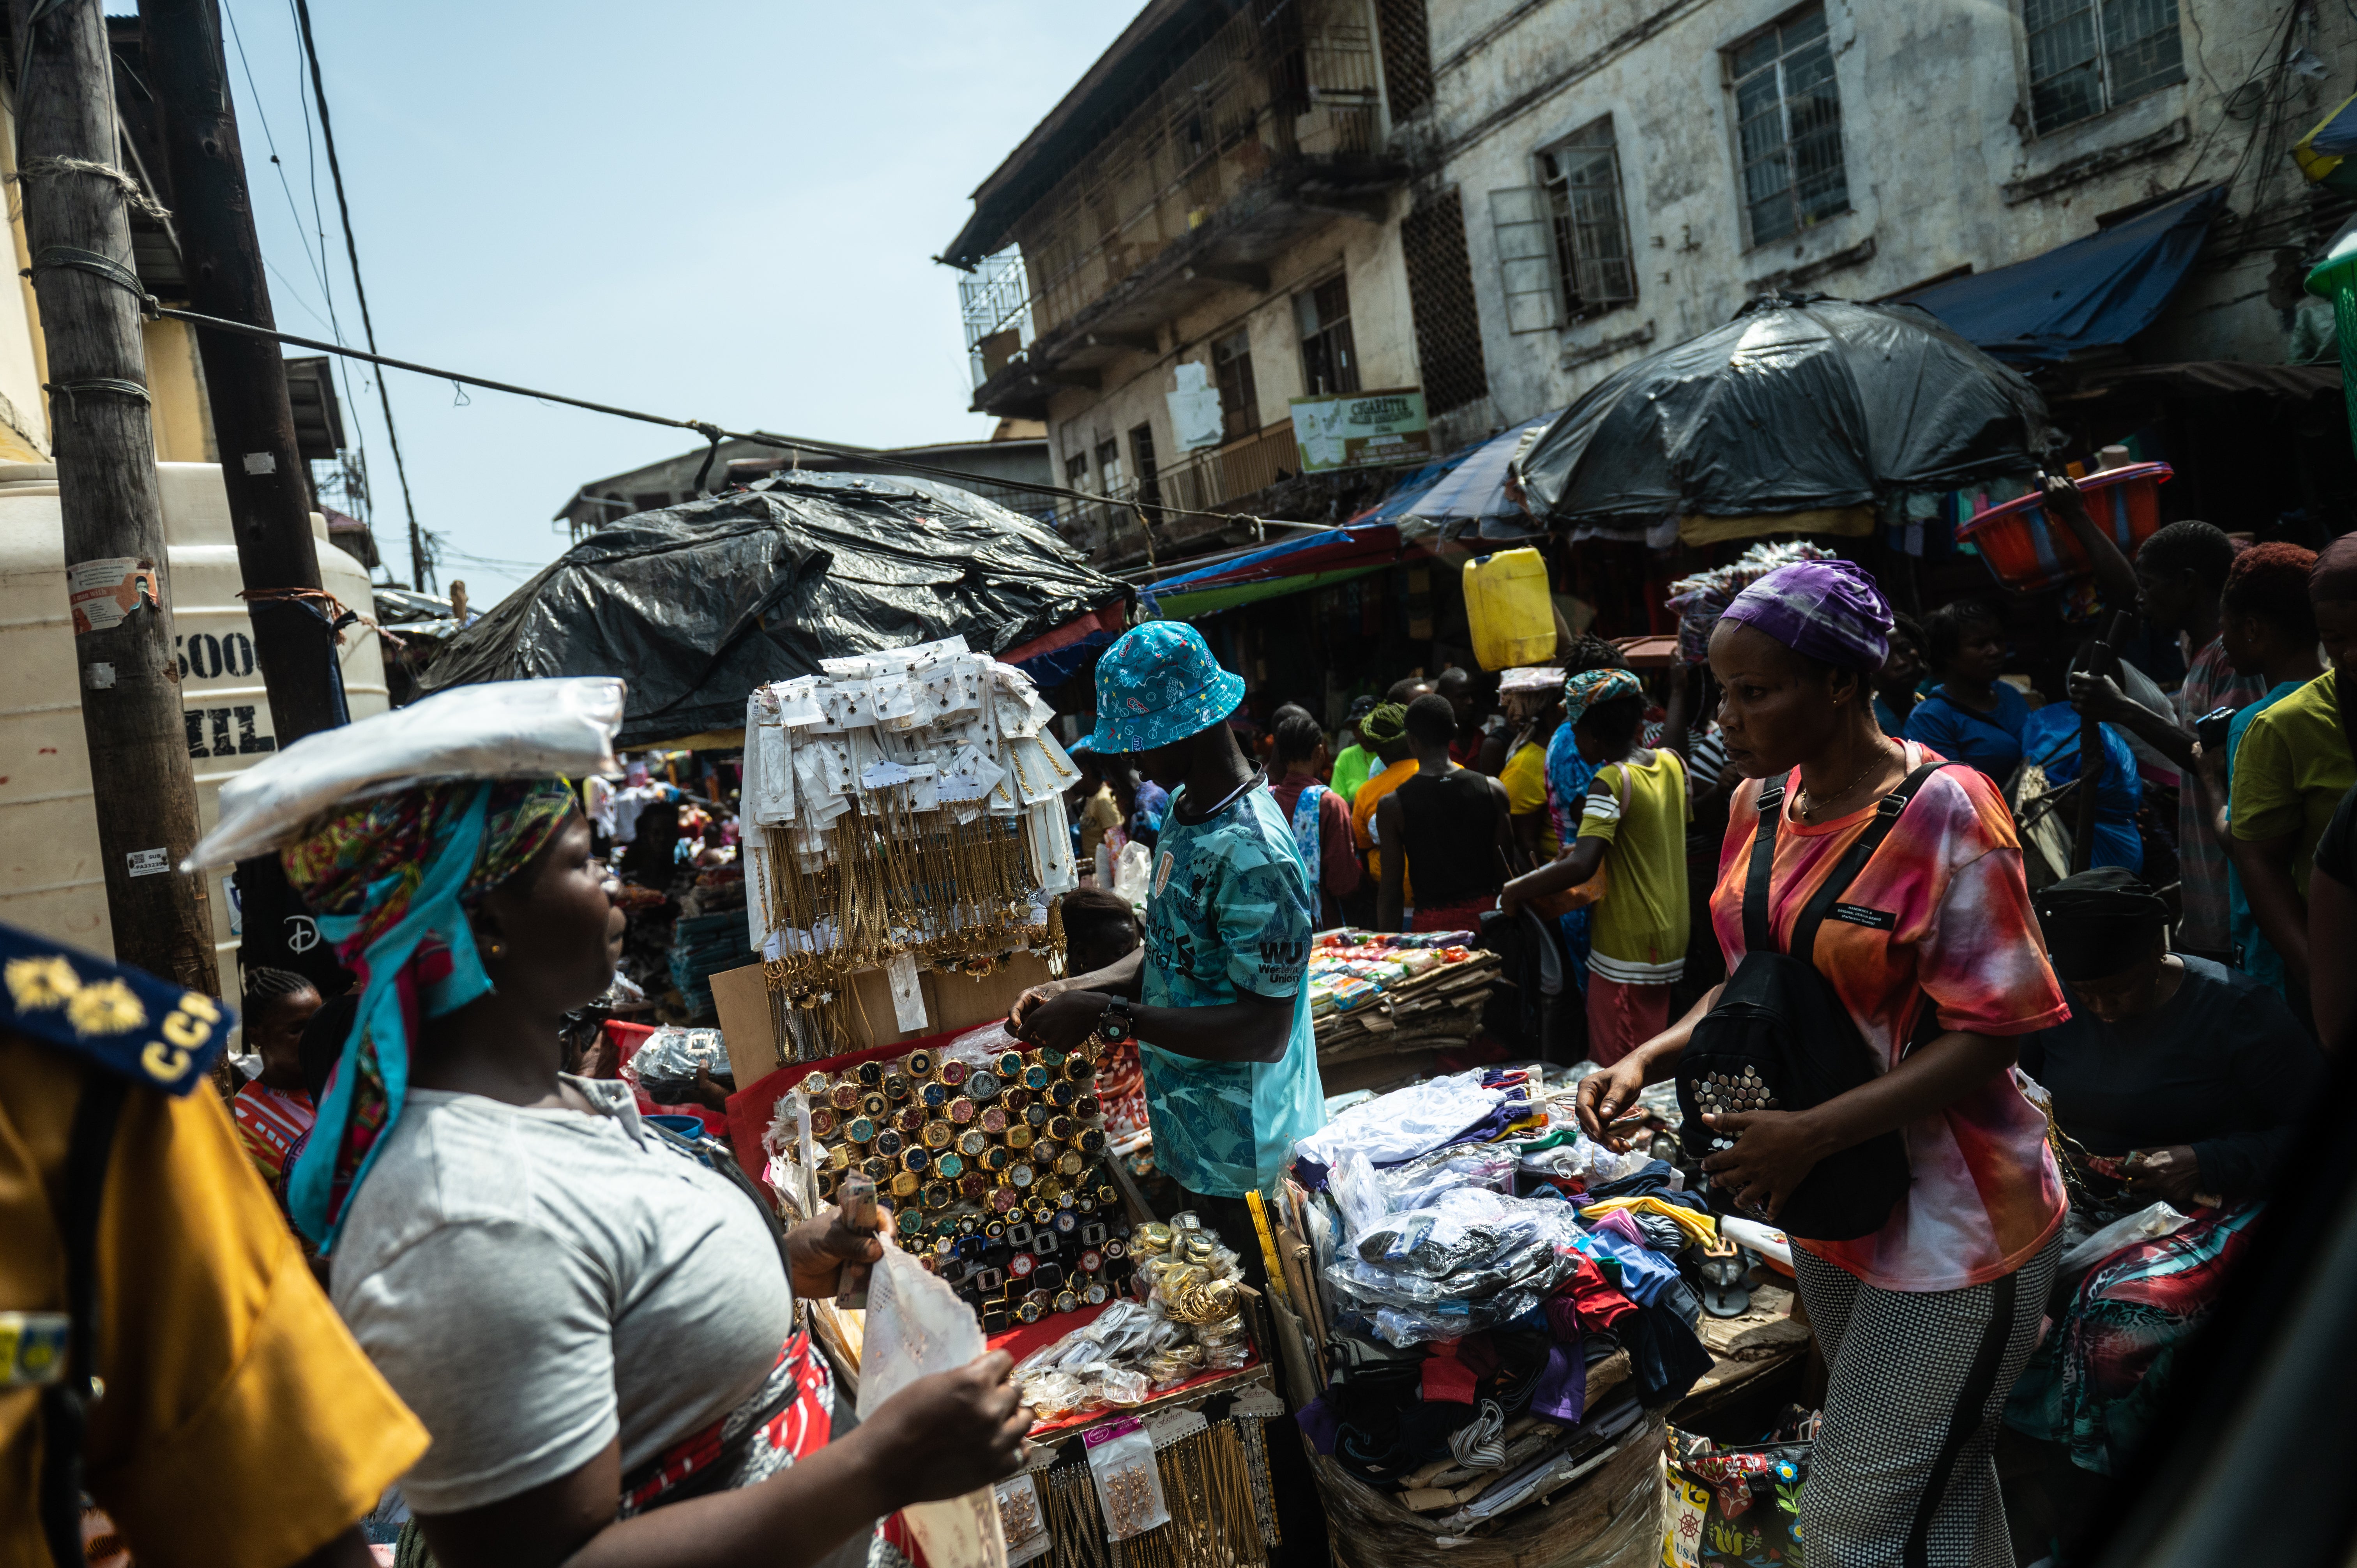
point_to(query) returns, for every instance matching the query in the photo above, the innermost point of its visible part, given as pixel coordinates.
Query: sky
(715, 212)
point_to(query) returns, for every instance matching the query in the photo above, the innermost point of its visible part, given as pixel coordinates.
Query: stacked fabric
(1501, 1296)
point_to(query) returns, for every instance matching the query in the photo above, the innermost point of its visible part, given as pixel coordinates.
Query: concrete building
(1631, 171)
(1005, 469)
(1208, 226)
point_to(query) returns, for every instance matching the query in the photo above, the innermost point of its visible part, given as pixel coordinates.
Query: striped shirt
(1643, 921)
(268, 1122)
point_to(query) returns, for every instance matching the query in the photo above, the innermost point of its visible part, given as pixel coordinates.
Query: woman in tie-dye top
(1926, 1323)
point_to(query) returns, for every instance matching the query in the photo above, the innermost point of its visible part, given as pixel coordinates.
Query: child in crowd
(1634, 827)
(274, 1110)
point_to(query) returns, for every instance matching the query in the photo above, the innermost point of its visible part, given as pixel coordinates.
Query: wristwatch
(1114, 1024)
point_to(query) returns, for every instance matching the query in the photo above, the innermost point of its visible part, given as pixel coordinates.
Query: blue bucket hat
(1158, 684)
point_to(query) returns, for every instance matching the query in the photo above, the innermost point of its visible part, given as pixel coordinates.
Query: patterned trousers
(1904, 1473)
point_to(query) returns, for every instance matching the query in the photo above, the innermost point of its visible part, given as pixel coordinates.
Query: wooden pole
(2100, 661)
(76, 227)
(268, 482)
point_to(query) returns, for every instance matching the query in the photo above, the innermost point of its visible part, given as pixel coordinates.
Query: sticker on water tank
(149, 861)
(103, 592)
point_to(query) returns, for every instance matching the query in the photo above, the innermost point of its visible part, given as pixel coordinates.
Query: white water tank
(51, 881)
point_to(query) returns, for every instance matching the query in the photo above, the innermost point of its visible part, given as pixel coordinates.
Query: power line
(418, 562)
(715, 434)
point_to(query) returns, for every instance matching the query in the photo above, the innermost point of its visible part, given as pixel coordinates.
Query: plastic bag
(1420, 1181)
(665, 1066)
(1022, 1519)
(502, 729)
(2145, 1225)
(917, 1327)
(1132, 874)
(1129, 1483)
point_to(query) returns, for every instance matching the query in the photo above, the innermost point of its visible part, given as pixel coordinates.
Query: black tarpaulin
(695, 605)
(1794, 404)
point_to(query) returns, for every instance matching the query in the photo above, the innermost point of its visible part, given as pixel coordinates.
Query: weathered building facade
(1632, 171)
(1213, 212)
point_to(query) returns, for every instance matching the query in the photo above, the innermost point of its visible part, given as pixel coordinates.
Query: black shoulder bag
(1779, 1038)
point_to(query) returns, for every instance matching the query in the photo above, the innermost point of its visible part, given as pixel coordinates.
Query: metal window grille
(2090, 55)
(1441, 297)
(1406, 38)
(995, 301)
(1141, 453)
(1788, 115)
(1582, 179)
(1329, 363)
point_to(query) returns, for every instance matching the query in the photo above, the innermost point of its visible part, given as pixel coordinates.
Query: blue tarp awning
(2093, 293)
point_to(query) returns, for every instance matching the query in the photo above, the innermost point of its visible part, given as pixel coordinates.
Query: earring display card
(1129, 1483)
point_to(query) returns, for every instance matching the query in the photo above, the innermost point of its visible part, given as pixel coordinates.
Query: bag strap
(1846, 871)
(1759, 935)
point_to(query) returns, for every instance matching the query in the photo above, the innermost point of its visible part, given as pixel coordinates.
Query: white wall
(1935, 117)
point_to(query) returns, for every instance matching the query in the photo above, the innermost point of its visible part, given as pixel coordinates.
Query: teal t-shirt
(1230, 910)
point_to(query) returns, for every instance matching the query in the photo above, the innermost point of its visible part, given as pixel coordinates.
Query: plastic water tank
(50, 880)
(1507, 610)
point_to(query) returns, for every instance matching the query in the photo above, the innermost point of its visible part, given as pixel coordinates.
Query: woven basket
(1611, 1519)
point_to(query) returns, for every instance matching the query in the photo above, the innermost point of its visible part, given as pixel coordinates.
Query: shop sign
(1360, 430)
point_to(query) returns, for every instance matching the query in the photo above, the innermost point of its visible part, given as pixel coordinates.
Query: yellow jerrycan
(1506, 605)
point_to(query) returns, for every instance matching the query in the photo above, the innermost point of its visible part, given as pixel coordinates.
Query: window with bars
(1788, 119)
(1231, 369)
(1582, 181)
(1329, 364)
(1141, 451)
(1440, 297)
(1109, 467)
(2090, 55)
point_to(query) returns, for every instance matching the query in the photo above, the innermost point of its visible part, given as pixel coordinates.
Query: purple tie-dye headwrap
(1826, 610)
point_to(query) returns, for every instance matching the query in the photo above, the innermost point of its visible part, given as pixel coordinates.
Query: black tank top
(1452, 837)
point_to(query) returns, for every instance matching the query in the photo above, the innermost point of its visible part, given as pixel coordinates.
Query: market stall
(1385, 1005)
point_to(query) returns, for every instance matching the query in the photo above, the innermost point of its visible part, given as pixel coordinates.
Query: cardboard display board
(953, 1001)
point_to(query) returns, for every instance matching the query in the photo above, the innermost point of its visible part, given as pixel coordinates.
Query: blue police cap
(119, 1019)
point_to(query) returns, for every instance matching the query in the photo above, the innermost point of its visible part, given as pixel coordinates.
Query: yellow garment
(1100, 814)
(1701, 1227)
(239, 1424)
(1362, 816)
(1524, 776)
(2290, 770)
(1640, 933)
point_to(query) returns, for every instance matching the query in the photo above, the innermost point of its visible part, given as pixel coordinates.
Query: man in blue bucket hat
(1218, 997)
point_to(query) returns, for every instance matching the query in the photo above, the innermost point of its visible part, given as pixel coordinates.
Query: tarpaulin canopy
(697, 604)
(2324, 154)
(1795, 405)
(1292, 566)
(1475, 490)
(2093, 293)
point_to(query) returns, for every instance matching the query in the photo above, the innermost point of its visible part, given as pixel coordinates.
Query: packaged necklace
(1024, 1518)
(1129, 1486)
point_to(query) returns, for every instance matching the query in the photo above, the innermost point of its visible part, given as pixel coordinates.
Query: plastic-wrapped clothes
(1396, 1127)
(1418, 1182)
(1460, 1230)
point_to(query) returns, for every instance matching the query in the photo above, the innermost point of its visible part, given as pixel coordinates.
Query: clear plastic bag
(916, 1325)
(1129, 1483)
(497, 729)
(665, 1066)
(1417, 1183)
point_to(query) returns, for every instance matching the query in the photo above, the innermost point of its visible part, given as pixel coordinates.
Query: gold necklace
(1806, 805)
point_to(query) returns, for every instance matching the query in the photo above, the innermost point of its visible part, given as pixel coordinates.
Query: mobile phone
(2210, 729)
(856, 1197)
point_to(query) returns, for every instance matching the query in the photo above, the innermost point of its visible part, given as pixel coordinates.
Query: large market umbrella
(695, 605)
(1794, 405)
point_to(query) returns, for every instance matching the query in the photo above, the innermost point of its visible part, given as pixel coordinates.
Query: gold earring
(497, 947)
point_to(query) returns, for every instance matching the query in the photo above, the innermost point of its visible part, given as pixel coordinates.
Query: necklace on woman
(1805, 805)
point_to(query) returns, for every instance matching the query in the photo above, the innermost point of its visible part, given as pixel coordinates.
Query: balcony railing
(1256, 96)
(1207, 481)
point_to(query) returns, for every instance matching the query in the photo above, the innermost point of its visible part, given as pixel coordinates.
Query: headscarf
(2333, 578)
(390, 878)
(1827, 610)
(2099, 922)
(1589, 687)
(1387, 723)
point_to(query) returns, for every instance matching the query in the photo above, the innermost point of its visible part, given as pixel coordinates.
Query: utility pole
(269, 484)
(78, 229)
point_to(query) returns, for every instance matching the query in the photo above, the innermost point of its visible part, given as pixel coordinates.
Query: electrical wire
(420, 562)
(715, 433)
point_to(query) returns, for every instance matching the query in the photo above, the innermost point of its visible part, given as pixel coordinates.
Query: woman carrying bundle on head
(1927, 947)
(598, 1331)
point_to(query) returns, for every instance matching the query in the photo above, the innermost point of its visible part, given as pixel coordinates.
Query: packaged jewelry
(1022, 1519)
(1129, 1485)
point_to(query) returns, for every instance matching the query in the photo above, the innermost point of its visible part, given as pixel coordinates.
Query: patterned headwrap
(1589, 687)
(1827, 610)
(1384, 724)
(390, 878)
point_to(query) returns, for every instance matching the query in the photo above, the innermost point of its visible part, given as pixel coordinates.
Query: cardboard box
(951, 1002)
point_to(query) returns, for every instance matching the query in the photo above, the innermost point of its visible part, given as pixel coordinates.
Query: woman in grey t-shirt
(596, 1330)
